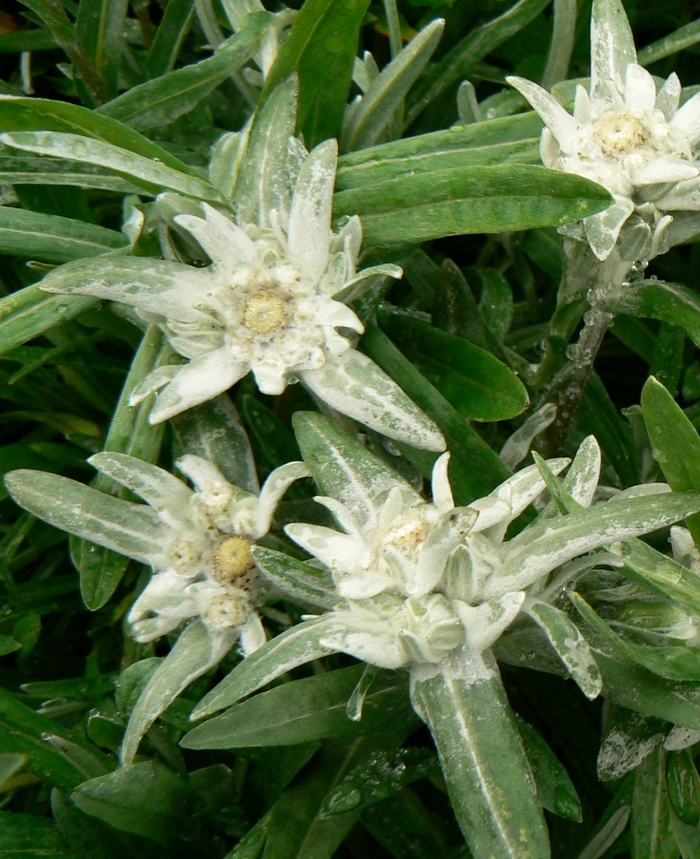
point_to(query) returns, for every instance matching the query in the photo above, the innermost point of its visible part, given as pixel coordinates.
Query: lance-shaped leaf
(29, 835)
(321, 48)
(498, 141)
(660, 574)
(355, 386)
(295, 647)
(35, 170)
(53, 238)
(651, 819)
(571, 647)
(132, 529)
(343, 468)
(131, 280)
(553, 542)
(162, 100)
(306, 710)
(367, 119)
(196, 651)
(161, 489)
(214, 432)
(478, 385)
(152, 176)
(675, 443)
(464, 705)
(613, 48)
(29, 312)
(555, 789)
(39, 114)
(414, 209)
(300, 581)
(130, 432)
(670, 302)
(265, 184)
(674, 663)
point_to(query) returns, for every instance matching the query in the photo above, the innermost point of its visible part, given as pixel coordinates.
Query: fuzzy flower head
(624, 135)
(197, 541)
(271, 302)
(412, 582)
(206, 568)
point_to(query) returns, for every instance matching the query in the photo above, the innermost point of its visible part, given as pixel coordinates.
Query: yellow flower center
(231, 560)
(407, 535)
(620, 134)
(264, 312)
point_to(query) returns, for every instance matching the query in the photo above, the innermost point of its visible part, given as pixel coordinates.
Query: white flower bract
(624, 134)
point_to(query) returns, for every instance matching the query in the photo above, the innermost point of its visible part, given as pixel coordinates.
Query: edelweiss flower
(414, 583)
(624, 135)
(197, 541)
(268, 303)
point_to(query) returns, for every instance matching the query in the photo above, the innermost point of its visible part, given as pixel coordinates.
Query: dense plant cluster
(351, 472)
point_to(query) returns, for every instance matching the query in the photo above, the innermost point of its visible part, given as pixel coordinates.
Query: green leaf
(38, 114)
(100, 26)
(29, 312)
(629, 737)
(673, 663)
(456, 63)
(571, 647)
(132, 529)
(214, 432)
(637, 688)
(680, 39)
(169, 37)
(475, 468)
(195, 652)
(660, 574)
(295, 647)
(273, 442)
(478, 385)
(367, 120)
(35, 170)
(297, 580)
(487, 774)
(404, 826)
(321, 48)
(495, 142)
(130, 432)
(28, 836)
(150, 175)
(55, 754)
(27, 40)
(357, 387)
(553, 542)
(265, 184)
(651, 819)
(414, 209)
(146, 799)
(305, 710)
(53, 238)
(683, 786)
(91, 85)
(160, 101)
(555, 789)
(675, 443)
(90, 838)
(670, 302)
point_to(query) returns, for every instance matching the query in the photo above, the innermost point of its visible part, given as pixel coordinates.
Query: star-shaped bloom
(197, 541)
(271, 302)
(623, 134)
(410, 583)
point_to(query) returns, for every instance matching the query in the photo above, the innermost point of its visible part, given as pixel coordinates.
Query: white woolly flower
(624, 135)
(409, 573)
(205, 568)
(269, 303)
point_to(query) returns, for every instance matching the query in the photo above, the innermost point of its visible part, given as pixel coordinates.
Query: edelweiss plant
(198, 543)
(431, 587)
(270, 301)
(625, 135)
